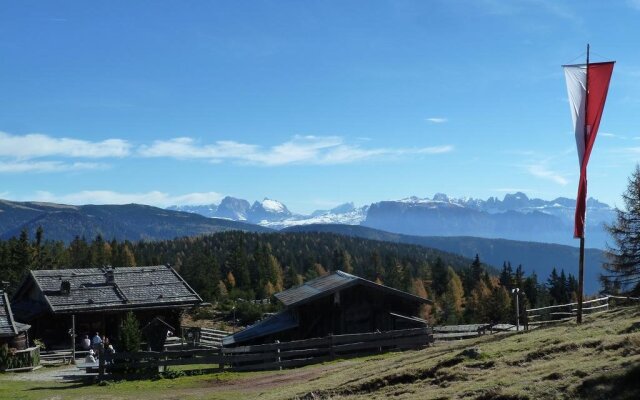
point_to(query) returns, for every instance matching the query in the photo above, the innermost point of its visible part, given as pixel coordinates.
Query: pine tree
(439, 277)
(530, 288)
(79, 255)
(130, 334)
(499, 306)
(476, 309)
(473, 275)
(623, 266)
(453, 298)
(506, 276)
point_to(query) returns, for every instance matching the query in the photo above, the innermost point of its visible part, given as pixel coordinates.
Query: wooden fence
(277, 355)
(567, 312)
(459, 332)
(22, 360)
(198, 337)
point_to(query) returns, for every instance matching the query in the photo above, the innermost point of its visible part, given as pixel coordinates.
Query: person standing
(86, 343)
(96, 341)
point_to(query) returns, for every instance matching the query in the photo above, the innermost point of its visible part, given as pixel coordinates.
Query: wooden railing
(277, 355)
(200, 337)
(23, 360)
(566, 312)
(454, 332)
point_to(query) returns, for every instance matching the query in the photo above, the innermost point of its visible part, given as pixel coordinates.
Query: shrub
(130, 334)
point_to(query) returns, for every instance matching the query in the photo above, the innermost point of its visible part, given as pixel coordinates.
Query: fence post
(221, 358)
(332, 352)
(278, 354)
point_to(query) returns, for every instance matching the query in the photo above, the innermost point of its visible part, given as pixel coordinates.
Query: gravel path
(51, 374)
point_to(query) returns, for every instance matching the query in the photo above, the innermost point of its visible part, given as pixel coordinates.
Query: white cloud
(37, 145)
(42, 153)
(8, 167)
(317, 150)
(541, 171)
(437, 120)
(154, 198)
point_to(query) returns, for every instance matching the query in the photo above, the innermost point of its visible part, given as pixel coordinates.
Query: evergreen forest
(236, 265)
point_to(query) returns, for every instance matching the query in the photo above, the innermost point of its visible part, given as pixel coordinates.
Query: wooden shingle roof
(8, 326)
(95, 289)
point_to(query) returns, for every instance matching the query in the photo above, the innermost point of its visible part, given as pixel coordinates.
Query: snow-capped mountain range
(515, 217)
(274, 214)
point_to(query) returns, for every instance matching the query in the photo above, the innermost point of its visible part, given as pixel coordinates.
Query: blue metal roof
(276, 323)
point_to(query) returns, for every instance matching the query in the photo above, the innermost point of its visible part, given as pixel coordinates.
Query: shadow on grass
(635, 327)
(77, 384)
(621, 386)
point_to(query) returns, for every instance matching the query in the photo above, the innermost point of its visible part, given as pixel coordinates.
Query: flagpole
(584, 223)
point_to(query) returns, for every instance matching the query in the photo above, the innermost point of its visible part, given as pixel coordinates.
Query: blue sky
(313, 103)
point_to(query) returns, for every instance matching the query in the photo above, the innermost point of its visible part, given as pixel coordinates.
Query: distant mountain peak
(274, 206)
(441, 197)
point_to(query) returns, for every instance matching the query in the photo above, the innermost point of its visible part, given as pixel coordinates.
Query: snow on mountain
(516, 216)
(268, 211)
(354, 216)
(274, 206)
(207, 210)
(233, 208)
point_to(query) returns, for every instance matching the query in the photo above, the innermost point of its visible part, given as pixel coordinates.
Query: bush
(130, 334)
(248, 313)
(10, 359)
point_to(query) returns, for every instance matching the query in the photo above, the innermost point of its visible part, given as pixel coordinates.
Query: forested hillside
(242, 265)
(540, 258)
(127, 221)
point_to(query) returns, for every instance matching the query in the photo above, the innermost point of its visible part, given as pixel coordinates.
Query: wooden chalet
(339, 303)
(91, 300)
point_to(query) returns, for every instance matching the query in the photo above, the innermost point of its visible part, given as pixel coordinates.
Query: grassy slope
(599, 360)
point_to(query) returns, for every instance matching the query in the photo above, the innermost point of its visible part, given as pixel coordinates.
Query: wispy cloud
(9, 167)
(43, 153)
(314, 150)
(37, 145)
(154, 198)
(437, 120)
(542, 171)
(634, 4)
(612, 135)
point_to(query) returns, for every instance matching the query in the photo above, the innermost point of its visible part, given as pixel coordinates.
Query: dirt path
(279, 378)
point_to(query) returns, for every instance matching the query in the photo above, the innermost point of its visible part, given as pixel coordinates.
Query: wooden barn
(12, 333)
(96, 300)
(336, 304)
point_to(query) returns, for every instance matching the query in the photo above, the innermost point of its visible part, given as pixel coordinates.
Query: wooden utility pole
(73, 338)
(581, 261)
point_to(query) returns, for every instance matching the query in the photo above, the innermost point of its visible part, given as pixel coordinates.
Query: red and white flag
(587, 85)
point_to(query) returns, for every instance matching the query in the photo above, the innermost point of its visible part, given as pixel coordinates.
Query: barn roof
(95, 289)
(307, 292)
(276, 323)
(334, 282)
(8, 327)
